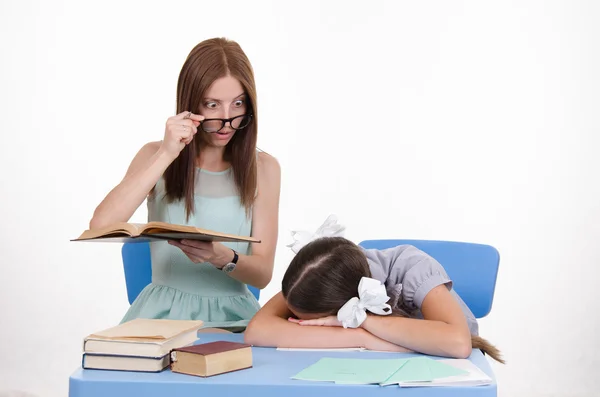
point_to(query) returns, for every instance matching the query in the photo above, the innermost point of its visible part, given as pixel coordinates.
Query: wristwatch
(228, 268)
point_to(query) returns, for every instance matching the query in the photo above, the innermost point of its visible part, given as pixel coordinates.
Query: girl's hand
(202, 251)
(329, 321)
(179, 132)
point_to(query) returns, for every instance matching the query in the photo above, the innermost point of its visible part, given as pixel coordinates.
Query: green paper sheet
(422, 369)
(415, 370)
(377, 371)
(350, 370)
(440, 370)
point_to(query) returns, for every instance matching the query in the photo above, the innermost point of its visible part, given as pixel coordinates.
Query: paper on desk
(303, 349)
(423, 369)
(471, 375)
(339, 349)
(350, 370)
(418, 371)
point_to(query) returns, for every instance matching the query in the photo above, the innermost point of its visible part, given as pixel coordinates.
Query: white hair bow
(330, 228)
(372, 296)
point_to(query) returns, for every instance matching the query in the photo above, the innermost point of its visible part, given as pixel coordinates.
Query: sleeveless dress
(183, 290)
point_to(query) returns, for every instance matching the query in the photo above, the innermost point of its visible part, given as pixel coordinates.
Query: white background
(472, 121)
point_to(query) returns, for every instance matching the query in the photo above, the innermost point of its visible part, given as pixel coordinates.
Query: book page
(156, 231)
(172, 231)
(162, 227)
(137, 228)
(120, 228)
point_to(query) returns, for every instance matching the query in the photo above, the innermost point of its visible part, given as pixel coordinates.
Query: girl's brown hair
(208, 61)
(325, 274)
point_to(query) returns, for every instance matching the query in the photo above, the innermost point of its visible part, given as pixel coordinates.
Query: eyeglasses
(216, 125)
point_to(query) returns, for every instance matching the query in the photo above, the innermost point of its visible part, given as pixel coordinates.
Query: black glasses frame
(230, 121)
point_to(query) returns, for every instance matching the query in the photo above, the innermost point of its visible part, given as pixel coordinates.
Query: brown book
(214, 358)
(123, 232)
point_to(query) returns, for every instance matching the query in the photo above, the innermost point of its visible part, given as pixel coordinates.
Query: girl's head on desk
(333, 281)
(323, 276)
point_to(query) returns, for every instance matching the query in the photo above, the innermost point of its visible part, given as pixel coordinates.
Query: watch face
(229, 267)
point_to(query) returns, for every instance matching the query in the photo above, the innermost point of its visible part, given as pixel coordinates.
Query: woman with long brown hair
(206, 172)
(336, 294)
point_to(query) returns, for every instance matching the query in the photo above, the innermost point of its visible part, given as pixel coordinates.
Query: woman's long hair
(208, 61)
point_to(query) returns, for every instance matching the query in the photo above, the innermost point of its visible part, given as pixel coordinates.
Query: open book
(125, 232)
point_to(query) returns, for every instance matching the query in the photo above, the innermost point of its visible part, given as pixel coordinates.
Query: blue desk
(269, 377)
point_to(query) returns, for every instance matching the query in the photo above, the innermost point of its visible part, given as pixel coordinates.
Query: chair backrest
(137, 264)
(473, 268)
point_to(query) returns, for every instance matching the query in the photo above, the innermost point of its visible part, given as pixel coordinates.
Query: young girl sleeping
(336, 294)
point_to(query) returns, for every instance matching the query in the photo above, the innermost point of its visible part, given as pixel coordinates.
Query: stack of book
(138, 345)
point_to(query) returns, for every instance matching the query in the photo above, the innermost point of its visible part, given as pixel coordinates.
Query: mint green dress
(181, 289)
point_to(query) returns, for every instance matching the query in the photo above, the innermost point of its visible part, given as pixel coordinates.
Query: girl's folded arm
(443, 330)
(270, 328)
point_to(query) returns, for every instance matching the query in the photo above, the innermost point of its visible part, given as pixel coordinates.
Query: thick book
(143, 338)
(144, 232)
(209, 359)
(125, 363)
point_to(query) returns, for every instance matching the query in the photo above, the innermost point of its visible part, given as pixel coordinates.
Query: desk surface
(269, 376)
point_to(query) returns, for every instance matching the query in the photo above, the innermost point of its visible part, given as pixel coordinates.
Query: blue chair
(137, 265)
(473, 268)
